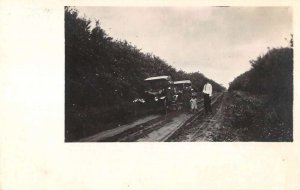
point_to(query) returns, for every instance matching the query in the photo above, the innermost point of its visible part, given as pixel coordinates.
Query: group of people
(207, 92)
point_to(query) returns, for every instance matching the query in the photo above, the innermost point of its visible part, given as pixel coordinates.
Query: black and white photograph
(149, 95)
(178, 74)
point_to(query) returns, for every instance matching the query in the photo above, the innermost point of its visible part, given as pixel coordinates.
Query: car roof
(182, 82)
(157, 78)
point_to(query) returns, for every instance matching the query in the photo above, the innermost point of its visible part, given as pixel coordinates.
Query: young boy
(193, 102)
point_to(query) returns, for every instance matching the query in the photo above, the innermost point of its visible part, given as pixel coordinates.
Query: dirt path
(206, 127)
(157, 128)
(232, 120)
(163, 133)
(113, 132)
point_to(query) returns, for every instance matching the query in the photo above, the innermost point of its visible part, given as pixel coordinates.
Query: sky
(218, 42)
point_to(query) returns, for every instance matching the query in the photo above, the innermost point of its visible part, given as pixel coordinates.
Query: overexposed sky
(216, 41)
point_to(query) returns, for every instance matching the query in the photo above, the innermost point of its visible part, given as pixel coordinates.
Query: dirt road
(158, 128)
(237, 116)
(206, 127)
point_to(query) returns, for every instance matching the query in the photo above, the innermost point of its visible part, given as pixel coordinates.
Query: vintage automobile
(184, 91)
(160, 91)
(183, 85)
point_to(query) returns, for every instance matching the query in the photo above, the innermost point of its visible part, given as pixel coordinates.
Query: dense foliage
(272, 75)
(103, 76)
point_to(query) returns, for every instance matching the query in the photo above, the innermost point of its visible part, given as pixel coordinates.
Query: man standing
(207, 91)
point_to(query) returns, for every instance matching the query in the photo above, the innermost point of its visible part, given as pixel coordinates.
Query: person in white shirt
(207, 91)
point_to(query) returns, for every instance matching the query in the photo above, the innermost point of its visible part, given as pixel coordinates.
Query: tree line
(103, 76)
(271, 75)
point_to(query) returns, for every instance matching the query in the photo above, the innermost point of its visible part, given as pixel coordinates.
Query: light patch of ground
(209, 126)
(205, 127)
(118, 130)
(163, 132)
